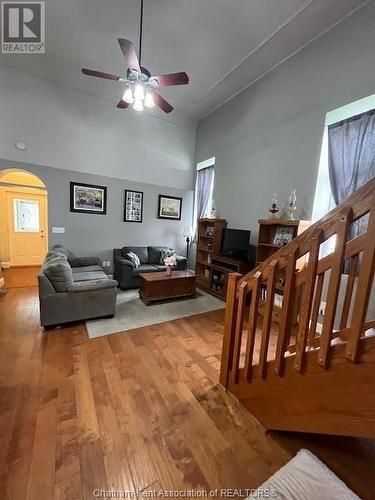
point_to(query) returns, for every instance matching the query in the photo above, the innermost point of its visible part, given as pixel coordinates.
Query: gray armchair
(127, 274)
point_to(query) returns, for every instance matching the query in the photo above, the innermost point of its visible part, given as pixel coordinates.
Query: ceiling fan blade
(127, 48)
(100, 74)
(172, 79)
(122, 104)
(162, 103)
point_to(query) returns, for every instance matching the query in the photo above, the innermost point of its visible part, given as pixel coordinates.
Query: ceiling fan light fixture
(149, 100)
(139, 93)
(138, 105)
(128, 96)
(140, 86)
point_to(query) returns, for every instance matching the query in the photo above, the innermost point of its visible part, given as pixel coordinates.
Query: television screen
(236, 243)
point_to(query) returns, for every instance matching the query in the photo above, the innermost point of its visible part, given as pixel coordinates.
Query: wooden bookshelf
(267, 245)
(210, 234)
(267, 232)
(212, 268)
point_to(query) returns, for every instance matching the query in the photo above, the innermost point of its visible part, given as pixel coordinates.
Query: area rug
(132, 313)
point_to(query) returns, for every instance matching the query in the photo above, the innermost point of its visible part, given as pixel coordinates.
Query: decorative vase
(169, 270)
(274, 208)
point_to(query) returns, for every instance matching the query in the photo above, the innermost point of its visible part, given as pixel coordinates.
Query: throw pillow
(69, 255)
(142, 253)
(59, 272)
(52, 254)
(166, 253)
(134, 259)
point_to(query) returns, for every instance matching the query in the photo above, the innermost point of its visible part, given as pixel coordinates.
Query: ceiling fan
(141, 86)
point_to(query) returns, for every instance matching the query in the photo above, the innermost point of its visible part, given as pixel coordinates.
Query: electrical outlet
(108, 263)
(322, 309)
(104, 263)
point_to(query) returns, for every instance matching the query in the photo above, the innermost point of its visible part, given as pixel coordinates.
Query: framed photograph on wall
(88, 198)
(133, 211)
(169, 207)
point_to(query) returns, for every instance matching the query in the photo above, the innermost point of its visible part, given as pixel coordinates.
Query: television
(236, 244)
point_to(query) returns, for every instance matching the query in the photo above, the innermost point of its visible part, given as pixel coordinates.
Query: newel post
(229, 328)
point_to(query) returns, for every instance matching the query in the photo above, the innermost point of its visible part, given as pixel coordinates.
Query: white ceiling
(223, 45)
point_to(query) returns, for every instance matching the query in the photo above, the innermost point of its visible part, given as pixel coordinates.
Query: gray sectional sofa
(127, 274)
(73, 288)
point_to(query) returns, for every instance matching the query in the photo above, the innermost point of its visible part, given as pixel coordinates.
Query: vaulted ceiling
(224, 45)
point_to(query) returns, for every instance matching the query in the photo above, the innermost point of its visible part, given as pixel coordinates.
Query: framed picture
(283, 235)
(169, 207)
(88, 198)
(133, 206)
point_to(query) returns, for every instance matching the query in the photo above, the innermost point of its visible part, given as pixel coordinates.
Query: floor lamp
(188, 234)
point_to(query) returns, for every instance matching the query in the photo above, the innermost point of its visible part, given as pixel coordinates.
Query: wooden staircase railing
(299, 346)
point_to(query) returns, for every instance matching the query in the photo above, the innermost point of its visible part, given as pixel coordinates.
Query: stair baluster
(291, 392)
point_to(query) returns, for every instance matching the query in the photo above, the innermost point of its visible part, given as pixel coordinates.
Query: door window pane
(26, 216)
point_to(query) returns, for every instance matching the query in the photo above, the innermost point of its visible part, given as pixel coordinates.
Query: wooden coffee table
(159, 286)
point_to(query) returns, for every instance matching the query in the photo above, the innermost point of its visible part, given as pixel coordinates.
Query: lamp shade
(149, 100)
(188, 231)
(128, 96)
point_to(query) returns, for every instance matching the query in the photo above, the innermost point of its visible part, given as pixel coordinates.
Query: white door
(27, 224)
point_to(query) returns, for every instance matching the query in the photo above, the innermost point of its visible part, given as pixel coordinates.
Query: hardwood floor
(135, 411)
(19, 277)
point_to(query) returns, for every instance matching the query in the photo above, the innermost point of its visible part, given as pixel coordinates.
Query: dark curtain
(351, 154)
(352, 159)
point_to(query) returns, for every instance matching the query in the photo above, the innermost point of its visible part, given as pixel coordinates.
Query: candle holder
(274, 208)
(292, 204)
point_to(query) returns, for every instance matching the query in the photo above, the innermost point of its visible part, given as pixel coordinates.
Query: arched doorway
(23, 219)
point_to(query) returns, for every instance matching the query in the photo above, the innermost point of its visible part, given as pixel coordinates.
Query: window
(204, 187)
(26, 216)
(324, 200)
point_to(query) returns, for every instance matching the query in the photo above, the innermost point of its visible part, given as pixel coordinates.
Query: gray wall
(97, 235)
(69, 129)
(268, 138)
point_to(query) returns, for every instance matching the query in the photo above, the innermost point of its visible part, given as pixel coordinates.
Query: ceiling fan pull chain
(140, 34)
